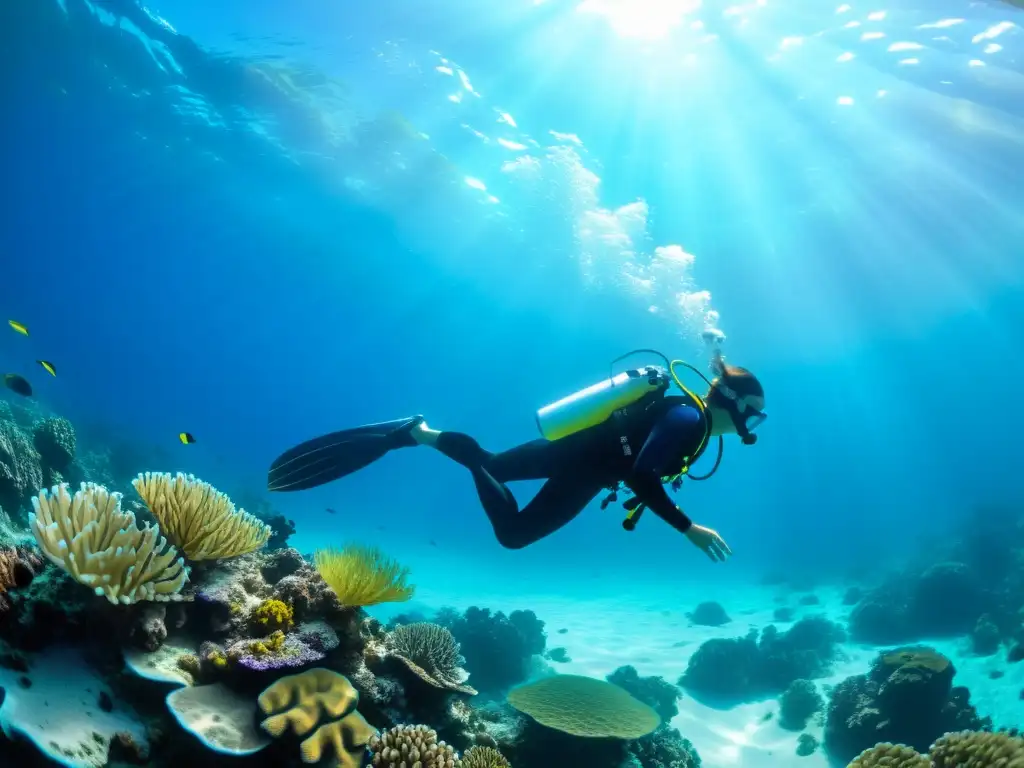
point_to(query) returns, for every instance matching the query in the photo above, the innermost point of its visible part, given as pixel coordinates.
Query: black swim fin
(329, 457)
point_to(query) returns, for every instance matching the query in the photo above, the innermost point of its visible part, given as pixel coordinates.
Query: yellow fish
(18, 327)
(48, 367)
(186, 438)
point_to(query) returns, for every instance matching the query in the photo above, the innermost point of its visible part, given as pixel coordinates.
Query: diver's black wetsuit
(650, 440)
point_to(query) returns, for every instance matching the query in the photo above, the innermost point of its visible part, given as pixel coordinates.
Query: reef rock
(745, 667)
(21, 473)
(908, 698)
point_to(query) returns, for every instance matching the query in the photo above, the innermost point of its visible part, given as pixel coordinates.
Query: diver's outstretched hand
(709, 542)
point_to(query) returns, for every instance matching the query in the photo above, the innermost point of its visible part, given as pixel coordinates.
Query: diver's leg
(534, 460)
(557, 503)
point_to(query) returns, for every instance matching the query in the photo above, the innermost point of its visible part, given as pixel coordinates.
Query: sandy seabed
(647, 627)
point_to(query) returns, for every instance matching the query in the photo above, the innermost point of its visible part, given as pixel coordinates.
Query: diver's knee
(512, 539)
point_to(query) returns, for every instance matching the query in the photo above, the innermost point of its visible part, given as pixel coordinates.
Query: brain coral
(584, 706)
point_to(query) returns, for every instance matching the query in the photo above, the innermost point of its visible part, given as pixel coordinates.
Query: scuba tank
(596, 404)
(599, 402)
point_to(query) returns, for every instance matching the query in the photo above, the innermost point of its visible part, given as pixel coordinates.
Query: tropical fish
(20, 328)
(17, 384)
(186, 438)
(48, 367)
(331, 511)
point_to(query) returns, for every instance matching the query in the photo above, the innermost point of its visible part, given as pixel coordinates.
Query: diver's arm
(652, 494)
(676, 435)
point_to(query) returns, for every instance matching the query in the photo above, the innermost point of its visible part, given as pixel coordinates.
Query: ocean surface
(258, 222)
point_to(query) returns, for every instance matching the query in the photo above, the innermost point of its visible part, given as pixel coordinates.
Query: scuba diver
(626, 430)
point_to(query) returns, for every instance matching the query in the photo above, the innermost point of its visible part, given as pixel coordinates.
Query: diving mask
(745, 417)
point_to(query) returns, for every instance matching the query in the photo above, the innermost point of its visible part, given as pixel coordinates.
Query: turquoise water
(259, 222)
(259, 226)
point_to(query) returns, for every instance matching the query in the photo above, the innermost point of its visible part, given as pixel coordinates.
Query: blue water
(259, 222)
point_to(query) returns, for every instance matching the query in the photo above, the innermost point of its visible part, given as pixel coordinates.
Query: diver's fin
(329, 457)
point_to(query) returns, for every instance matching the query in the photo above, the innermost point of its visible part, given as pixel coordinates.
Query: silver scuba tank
(595, 404)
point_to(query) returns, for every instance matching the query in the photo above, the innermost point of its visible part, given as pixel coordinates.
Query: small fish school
(21, 386)
(17, 383)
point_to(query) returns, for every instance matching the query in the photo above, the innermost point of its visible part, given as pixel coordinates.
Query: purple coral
(309, 644)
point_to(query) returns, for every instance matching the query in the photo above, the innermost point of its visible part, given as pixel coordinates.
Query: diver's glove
(709, 542)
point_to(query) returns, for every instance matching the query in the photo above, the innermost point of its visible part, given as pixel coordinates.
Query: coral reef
(907, 698)
(806, 745)
(54, 439)
(986, 637)
(942, 599)
(798, 704)
(709, 614)
(665, 746)
(654, 691)
(498, 649)
(21, 471)
(746, 667)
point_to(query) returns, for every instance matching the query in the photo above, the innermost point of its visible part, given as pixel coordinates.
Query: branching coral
(198, 518)
(363, 576)
(100, 546)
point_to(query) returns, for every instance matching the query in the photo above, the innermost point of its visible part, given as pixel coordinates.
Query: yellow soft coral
(362, 576)
(273, 615)
(99, 545)
(273, 645)
(198, 518)
(324, 703)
